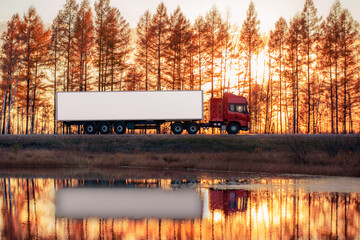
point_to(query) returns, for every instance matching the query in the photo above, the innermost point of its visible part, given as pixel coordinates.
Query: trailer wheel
(120, 127)
(177, 128)
(104, 128)
(233, 128)
(192, 128)
(90, 128)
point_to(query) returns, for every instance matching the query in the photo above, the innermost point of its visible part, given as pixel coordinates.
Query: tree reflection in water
(28, 211)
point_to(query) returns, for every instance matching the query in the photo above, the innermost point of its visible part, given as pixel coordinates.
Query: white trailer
(102, 111)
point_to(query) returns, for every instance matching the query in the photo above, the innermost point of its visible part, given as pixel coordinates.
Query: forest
(301, 77)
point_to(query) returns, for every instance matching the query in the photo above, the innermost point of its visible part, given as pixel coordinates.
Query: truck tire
(120, 127)
(104, 128)
(177, 128)
(192, 128)
(233, 128)
(90, 128)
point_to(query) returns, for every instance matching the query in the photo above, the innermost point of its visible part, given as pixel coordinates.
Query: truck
(104, 112)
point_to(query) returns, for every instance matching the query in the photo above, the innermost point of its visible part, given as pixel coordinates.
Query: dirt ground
(295, 154)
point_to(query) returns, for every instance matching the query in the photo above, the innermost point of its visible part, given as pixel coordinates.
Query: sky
(269, 11)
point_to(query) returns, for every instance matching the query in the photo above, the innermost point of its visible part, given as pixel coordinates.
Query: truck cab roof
(232, 98)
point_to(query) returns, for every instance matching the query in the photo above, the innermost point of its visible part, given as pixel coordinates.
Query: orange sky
(268, 11)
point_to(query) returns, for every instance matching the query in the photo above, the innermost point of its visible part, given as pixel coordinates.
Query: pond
(237, 207)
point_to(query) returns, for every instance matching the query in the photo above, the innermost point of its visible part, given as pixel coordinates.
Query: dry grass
(313, 154)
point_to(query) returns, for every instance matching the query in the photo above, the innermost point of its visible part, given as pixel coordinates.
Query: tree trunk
(294, 103)
(250, 100)
(281, 125)
(336, 95)
(212, 66)
(331, 99)
(199, 54)
(345, 90)
(267, 99)
(27, 98)
(68, 57)
(308, 85)
(3, 114)
(12, 99)
(55, 51)
(159, 61)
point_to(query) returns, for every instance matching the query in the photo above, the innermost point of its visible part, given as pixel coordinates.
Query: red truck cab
(229, 200)
(230, 112)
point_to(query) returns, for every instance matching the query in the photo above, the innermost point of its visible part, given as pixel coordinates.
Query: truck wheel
(90, 128)
(177, 128)
(120, 127)
(104, 128)
(233, 128)
(192, 128)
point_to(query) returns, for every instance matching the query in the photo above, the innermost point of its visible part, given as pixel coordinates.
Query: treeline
(309, 80)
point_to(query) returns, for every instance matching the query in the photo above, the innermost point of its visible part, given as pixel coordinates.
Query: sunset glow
(297, 76)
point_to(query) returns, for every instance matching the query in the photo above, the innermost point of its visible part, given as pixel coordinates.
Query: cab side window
(232, 107)
(240, 108)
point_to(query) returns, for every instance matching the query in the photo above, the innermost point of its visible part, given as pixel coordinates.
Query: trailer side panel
(127, 106)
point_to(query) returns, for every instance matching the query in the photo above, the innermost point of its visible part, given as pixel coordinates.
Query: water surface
(285, 207)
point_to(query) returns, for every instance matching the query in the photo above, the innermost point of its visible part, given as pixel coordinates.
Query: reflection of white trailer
(128, 203)
(100, 111)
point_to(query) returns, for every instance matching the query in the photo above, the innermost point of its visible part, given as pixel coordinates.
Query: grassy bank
(303, 154)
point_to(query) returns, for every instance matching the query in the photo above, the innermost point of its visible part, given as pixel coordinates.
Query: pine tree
(35, 38)
(190, 61)
(83, 44)
(117, 41)
(348, 44)
(158, 44)
(227, 46)
(251, 42)
(54, 58)
(142, 55)
(269, 91)
(293, 66)
(212, 41)
(67, 30)
(310, 36)
(199, 32)
(10, 63)
(330, 53)
(179, 47)
(133, 79)
(276, 43)
(102, 8)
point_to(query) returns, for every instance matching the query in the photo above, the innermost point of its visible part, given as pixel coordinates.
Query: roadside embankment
(337, 155)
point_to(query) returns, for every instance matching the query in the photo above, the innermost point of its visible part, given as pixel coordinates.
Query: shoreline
(151, 173)
(329, 155)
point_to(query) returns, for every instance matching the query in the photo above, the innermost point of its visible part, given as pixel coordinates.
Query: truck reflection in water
(80, 203)
(134, 203)
(229, 201)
